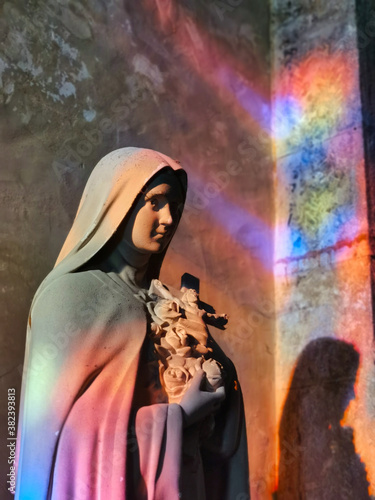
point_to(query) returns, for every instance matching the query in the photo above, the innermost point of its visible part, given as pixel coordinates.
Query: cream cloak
(80, 436)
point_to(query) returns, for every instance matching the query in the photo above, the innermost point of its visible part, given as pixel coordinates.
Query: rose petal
(201, 349)
(163, 353)
(184, 351)
(165, 344)
(176, 360)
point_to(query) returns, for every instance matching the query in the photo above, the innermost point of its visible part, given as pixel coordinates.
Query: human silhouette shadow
(318, 460)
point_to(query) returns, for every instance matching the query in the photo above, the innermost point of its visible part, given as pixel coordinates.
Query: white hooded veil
(110, 192)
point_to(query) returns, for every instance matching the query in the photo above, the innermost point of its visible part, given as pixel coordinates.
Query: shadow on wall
(318, 460)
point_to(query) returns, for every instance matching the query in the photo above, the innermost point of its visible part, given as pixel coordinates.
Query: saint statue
(125, 393)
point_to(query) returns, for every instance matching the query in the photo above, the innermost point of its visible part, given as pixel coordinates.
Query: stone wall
(191, 79)
(322, 273)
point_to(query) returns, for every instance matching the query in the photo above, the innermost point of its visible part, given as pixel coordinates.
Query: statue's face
(155, 216)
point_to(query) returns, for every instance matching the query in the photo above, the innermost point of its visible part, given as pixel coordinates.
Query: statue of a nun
(125, 394)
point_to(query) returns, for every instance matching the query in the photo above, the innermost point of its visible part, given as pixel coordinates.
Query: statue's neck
(129, 265)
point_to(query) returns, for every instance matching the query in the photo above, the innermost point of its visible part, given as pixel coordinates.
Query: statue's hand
(197, 404)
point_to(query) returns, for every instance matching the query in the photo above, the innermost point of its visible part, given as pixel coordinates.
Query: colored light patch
(321, 234)
(313, 97)
(321, 227)
(300, 246)
(247, 229)
(32, 484)
(324, 207)
(213, 64)
(40, 381)
(250, 101)
(288, 116)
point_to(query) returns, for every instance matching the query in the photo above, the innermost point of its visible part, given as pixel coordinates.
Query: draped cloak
(80, 436)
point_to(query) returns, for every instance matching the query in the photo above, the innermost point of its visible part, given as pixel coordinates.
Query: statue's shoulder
(85, 282)
(71, 289)
(77, 299)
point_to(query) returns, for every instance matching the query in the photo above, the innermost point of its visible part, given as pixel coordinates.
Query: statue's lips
(161, 236)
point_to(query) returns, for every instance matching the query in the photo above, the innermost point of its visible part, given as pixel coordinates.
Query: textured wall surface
(191, 79)
(322, 261)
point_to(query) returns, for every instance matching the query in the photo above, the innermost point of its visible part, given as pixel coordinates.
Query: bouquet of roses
(180, 336)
